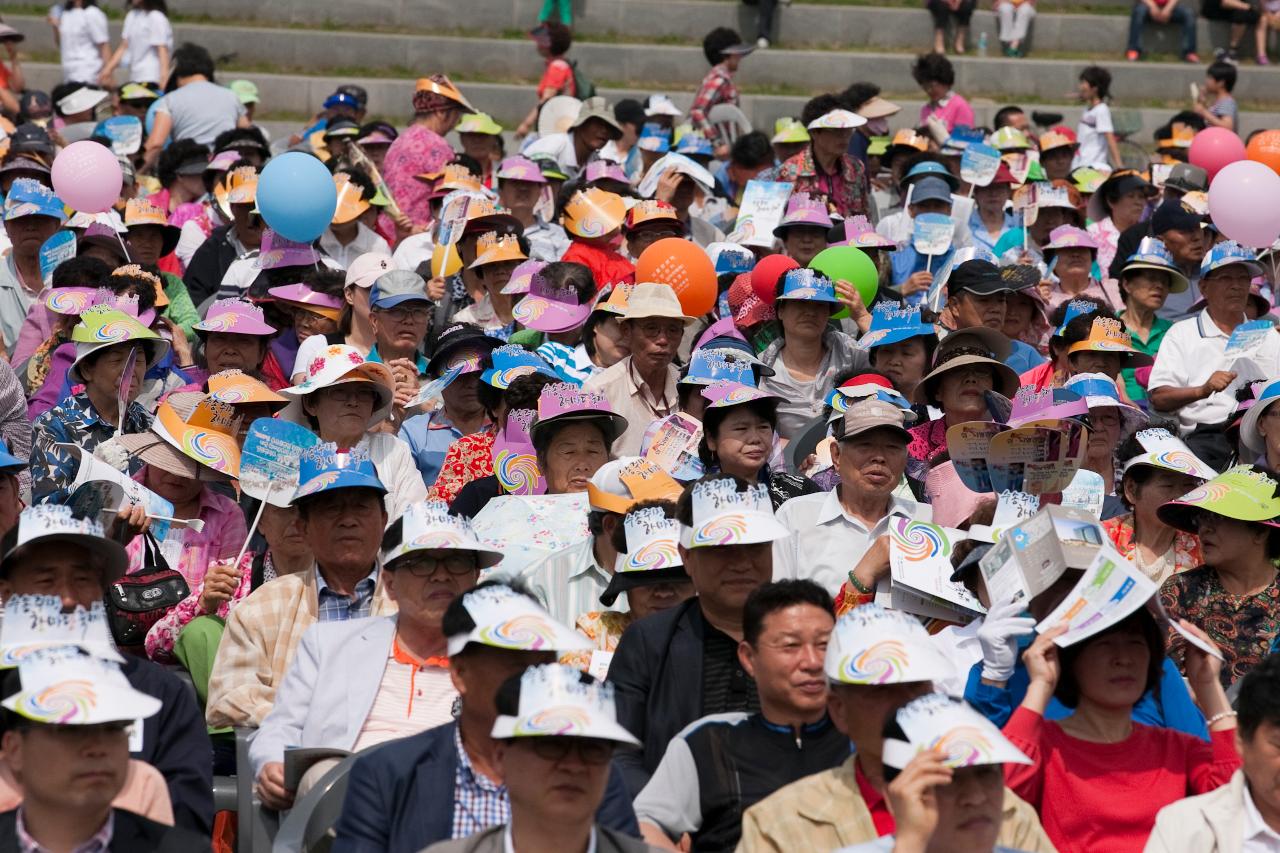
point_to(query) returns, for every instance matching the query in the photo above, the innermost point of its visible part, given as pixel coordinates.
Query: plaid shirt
(717, 88)
(99, 843)
(477, 802)
(336, 607)
(845, 190)
(73, 421)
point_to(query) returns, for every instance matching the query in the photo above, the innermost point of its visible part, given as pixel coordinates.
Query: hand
(852, 299)
(435, 289)
(220, 584)
(1217, 382)
(668, 183)
(181, 349)
(998, 636)
(405, 373)
(1203, 669)
(721, 152)
(271, 789)
(874, 563)
(913, 799)
(129, 522)
(917, 282)
(1041, 658)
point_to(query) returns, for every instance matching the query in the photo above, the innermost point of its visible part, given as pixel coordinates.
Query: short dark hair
(457, 620)
(1259, 698)
(570, 274)
(620, 532)
(1140, 621)
(559, 37)
(191, 59)
(522, 393)
(715, 42)
(144, 287)
(779, 595)
(817, 107)
(1003, 115)
(858, 94)
(713, 419)
(933, 68)
(1099, 78)
(507, 700)
(684, 504)
(360, 178)
(1222, 72)
(174, 155)
(236, 137)
(629, 111)
(752, 150)
(81, 271)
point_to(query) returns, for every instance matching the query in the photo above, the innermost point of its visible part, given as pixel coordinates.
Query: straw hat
(193, 435)
(652, 299)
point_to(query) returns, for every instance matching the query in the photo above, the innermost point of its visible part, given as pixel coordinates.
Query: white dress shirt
(826, 542)
(1258, 836)
(569, 582)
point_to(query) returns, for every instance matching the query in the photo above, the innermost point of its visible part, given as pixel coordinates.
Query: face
(575, 452)
(358, 299)
(830, 144)
(964, 389)
(422, 583)
(904, 362)
(594, 134)
(403, 327)
(1074, 262)
(1187, 247)
(518, 195)
(176, 489)
(654, 598)
(1269, 429)
(10, 502)
(344, 528)
(973, 309)
(342, 411)
(1111, 668)
(495, 277)
(1225, 541)
(557, 778)
(248, 225)
(1226, 290)
(1129, 207)
(1086, 90)
(1147, 289)
(724, 575)
(1260, 755)
(233, 352)
(1019, 312)
(642, 238)
(786, 660)
(859, 710)
(611, 342)
(461, 395)
(80, 768)
(1056, 163)
(307, 323)
(478, 145)
(802, 319)
(282, 528)
(479, 671)
(653, 341)
(145, 243)
(970, 810)
(1049, 218)
(742, 442)
(102, 375)
(28, 233)
(870, 463)
(1105, 425)
(1162, 487)
(804, 242)
(68, 571)
(994, 196)
(933, 90)
(1091, 361)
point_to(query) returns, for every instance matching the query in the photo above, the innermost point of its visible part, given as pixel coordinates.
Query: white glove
(998, 637)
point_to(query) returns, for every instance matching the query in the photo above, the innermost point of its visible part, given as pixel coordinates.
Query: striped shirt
(99, 843)
(478, 802)
(571, 364)
(413, 696)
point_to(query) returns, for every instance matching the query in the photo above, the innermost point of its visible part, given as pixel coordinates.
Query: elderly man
(340, 504)
(682, 664)
(448, 782)
(592, 129)
(332, 696)
(1193, 376)
(1180, 228)
(977, 295)
(642, 386)
(833, 531)
(50, 552)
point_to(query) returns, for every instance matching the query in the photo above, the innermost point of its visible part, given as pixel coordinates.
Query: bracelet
(1216, 717)
(859, 585)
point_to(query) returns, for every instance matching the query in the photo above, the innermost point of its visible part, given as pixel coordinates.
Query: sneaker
(1262, 59)
(762, 43)
(1131, 55)
(1192, 58)
(1232, 56)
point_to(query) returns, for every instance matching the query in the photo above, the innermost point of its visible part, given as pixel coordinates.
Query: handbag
(135, 602)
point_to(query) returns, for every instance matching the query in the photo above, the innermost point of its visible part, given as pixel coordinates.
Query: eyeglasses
(402, 314)
(659, 330)
(590, 751)
(359, 394)
(422, 566)
(303, 318)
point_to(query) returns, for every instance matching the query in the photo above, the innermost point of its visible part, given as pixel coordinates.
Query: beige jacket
(825, 812)
(1209, 823)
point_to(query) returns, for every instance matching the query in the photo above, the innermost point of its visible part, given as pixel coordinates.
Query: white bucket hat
(428, 526)
(336, 365)
(935, 721)
(873, 645)
(35, 622)
(506, 619)
(722, 515)
(554, 702)
(66, 687)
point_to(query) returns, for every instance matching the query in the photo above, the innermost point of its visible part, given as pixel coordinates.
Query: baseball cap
(367, 268)
(1174, 216)
(246, 91)
(397, 286)
(871, 413)
(1188, 178)
(930, 189)
(977, 276)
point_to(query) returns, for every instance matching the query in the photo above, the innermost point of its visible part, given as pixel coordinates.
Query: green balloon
(852, 265)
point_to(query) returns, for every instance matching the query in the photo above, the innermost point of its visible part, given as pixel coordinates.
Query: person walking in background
(1096, 133)
(146, 43)
(83, 40)
(724, 49)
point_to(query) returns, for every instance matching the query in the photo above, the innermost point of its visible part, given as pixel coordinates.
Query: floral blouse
(1244, 626)
(164, 633)
(469, 458)
(1186, 546)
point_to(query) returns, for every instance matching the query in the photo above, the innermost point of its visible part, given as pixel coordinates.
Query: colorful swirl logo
(590, 227)
(738, 395)
(61, 703)
(234, 394)
(319, 482)
(517, 473)
(919, 541)
(555, 721)
(112, 332)
(526, 633)
(67, 303)
(1178, 460)
(206, 448)
(658, 554)
(221, 323)
(504, 378)
(530, 308)
(437, 539)
(725, 530)
(881, 663)
(964, 746)
(802, 293)
(1208, 492)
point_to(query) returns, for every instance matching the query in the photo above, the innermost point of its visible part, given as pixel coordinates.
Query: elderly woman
(899, 345)
(1149, 275)
(603, 339)
(1157, 468)
(497, 258)
(1070, 254)
(825, 168)
(234, 335)
(344, 400)
(421, 148)
(1120, 203)
(1235, 595)
(315, 308)
(1111, 422)
(738, 436)
(560, 300)
(808, 354)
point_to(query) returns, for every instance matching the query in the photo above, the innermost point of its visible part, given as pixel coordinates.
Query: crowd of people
(654, 484)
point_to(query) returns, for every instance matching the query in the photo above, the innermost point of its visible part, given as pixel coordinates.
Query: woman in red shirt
(553, 41)
(1099, 778)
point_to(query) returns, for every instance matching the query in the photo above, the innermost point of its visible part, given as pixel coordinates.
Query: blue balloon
(296, 196)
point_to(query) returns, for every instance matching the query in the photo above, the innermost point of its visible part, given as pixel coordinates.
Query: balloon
(765, 275)
(297, 196)
(684, 266)
(1265, 149)
(852, 265)
(1213, 148)
(87, 177)
(1244, 201)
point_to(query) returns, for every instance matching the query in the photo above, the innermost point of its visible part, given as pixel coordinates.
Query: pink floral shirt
(416, 151)
(164, 634)
(224, 532)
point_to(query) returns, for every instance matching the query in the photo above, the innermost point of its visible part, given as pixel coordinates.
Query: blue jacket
(400, 797)
(1171, 709)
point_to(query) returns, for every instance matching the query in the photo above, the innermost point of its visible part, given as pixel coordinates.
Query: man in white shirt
(833, 530)
(593, 128)
(1193, 375)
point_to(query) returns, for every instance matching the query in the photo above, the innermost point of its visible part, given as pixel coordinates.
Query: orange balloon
(686, 268)
(1265, 149)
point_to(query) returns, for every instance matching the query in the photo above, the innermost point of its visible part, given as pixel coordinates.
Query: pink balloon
(1214, 148)
(1244, 202)
(87, 177)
